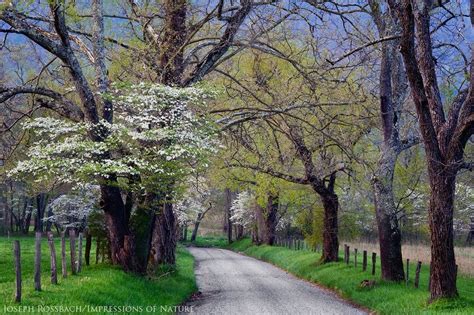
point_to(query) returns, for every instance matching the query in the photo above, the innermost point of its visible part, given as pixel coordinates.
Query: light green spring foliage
(329, 129)
(157, 134)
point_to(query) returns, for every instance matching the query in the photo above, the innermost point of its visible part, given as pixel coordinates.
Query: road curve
(231, 283)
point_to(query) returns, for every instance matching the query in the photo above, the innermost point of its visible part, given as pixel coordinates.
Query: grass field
(464, 255)
(383, 298)
(98, 285)
(208, 241)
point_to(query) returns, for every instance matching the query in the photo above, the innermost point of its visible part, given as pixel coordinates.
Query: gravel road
(231, 283)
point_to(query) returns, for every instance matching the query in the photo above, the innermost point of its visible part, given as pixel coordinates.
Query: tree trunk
(185, 232)
(27, 216)
(228, 205)
(330, 228)
(239, 231)
(443, 261)
(387, 221)
(88, 247)
(117, 229)
(41, 202)
(270, 219)
(49, 223)
(196, 227)
(174, 37)
(259, 232)
(163, 239)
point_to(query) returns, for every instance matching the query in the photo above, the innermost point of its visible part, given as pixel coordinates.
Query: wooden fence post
(364, 261)
(374, 259)
(72, 248)
(348, 248)
(79, 264)
(417, 274)
(88, 247)
(16, 254)
(52, 250)
(355, 257)
(38, 261)
(63, 255)
(408, 270)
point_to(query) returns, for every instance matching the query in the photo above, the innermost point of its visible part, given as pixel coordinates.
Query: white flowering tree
(242, 209)
(194, 203)
(156, 134)
(72, 210)
(157, 138)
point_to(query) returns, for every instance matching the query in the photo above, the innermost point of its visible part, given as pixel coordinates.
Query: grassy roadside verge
(96, 285)
(213, 241)
(384, 298)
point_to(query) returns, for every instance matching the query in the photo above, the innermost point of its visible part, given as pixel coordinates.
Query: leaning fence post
(63, 255)
(38, 261)
(408, 270)
(54, 273)
(72, 248)
(417, 274)
(79, 264)
(16, 254)
(374, 259)
(355, 257)
(364, 261)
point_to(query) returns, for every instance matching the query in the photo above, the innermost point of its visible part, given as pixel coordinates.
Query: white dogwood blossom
(73, 209)
(195, 200)
(242, 209)
(156, 134)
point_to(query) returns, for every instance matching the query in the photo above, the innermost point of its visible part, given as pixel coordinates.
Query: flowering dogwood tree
(72, 210)
(157, 138)
(242, 209)
(194, 203)
(157, 134)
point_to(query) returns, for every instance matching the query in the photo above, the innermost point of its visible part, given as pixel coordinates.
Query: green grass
(384, 298)
(208, 241)
(96, 285)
